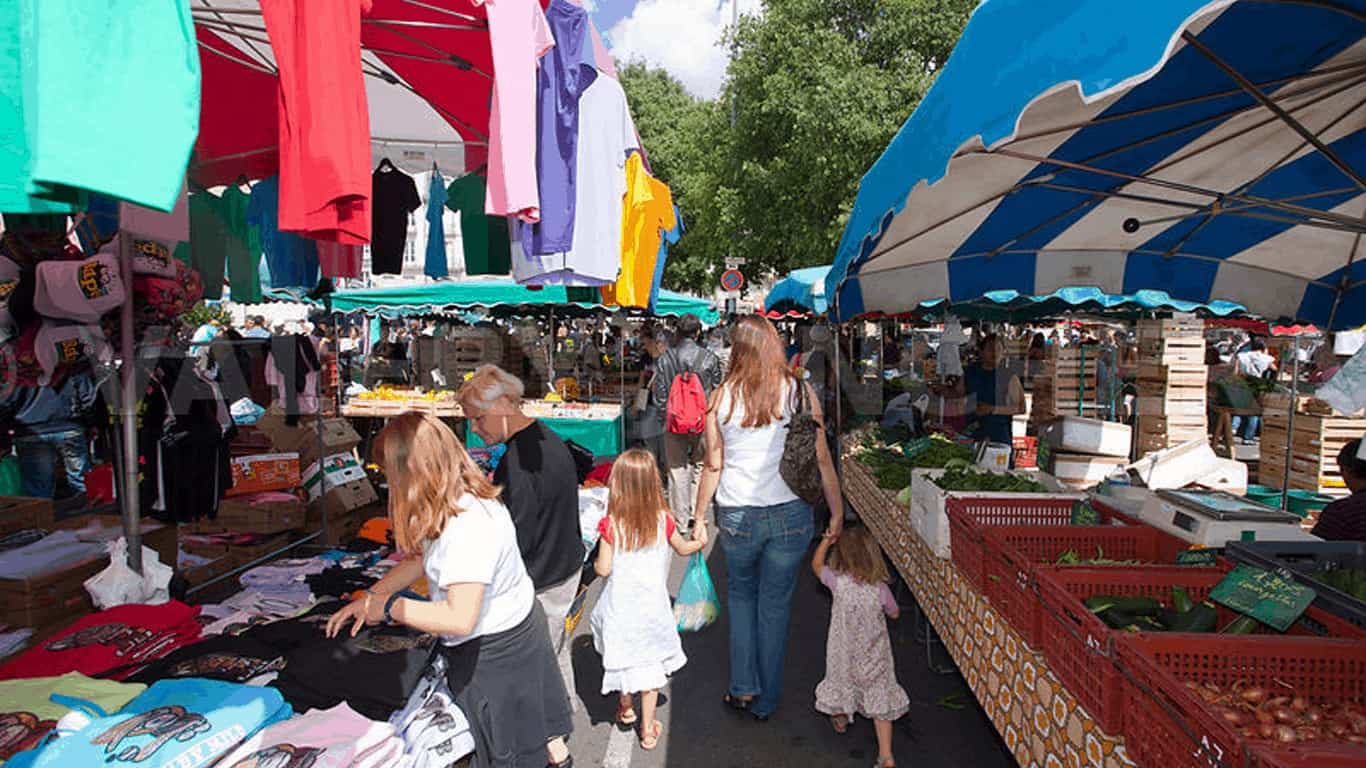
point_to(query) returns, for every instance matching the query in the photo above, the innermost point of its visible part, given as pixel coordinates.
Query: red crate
(1011, 553)
(1026, 452)
(969, 516)
(1079, 647)
(1334, 756)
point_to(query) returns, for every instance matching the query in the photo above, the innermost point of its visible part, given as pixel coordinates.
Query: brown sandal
(649, 742)
(840, 723)
(626, 716)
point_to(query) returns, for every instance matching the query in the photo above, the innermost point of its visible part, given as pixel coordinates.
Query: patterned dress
(860, 678)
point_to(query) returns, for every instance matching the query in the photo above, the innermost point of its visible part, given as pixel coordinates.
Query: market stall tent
(802, 289)
(1211, 150)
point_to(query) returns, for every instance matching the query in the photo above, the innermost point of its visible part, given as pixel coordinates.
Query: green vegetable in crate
(1243, 625)
(903, 496)
(1070, 557)
(1181, 600)
(1349, 580)
(1199, 618)
(1134, 606)
(1084, 514)
(962, 477)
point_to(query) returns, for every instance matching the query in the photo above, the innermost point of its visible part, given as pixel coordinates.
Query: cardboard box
(20, 512)
(336, 470)
(311, 438)
(341, 530)
(242, 515)
(210, 570)
(44, 600)
(264, 472)
(340, 501)
(241, 554)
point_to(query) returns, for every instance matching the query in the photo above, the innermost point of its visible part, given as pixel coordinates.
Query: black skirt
(508, 685)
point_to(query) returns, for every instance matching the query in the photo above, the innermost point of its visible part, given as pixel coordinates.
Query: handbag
(799, 466)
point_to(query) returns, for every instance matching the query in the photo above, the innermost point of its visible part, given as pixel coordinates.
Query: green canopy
(449, 296)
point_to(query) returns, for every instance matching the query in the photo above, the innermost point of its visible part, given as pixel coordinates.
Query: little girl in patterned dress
(859, 674)
(633, 624)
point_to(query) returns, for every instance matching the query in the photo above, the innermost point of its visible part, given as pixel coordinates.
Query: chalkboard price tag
(1203, 556)
(1266, 596)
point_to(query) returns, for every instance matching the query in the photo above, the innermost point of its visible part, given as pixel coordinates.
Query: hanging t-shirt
(322, 738)
(484, 237)
(97, 136)
(219, 235)
(649, 210)
(394, 196)
(28, 713)
(518, 36)
(337, 260)
(436, 228)
(291, 259)
(120, 638)
(324, 118)
(187, 723)
(671, 237)
(606, 135)
(566, 70)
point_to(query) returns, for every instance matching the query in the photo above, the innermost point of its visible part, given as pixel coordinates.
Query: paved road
(698, 731)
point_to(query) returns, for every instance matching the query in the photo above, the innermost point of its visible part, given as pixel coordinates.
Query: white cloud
(681, 36)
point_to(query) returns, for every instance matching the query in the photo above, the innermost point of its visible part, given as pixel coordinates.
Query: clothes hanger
(242, 180)
(385, 165)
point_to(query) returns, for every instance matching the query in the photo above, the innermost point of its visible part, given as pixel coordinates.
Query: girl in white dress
(633, 624)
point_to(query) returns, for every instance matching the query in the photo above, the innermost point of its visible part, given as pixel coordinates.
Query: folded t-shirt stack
(30, 707)
(434, 730)
(113, 643)
(323, 738)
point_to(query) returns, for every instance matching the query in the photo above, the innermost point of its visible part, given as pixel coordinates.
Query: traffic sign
(732, 280)
(733, 262)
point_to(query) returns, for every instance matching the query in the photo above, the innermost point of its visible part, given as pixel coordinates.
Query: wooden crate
(1313, 449)
(1185, 375)
(18, 513)
(1171, 407)
(1156, 432)
(1173, 351)
(1178, 325)
(43, 600)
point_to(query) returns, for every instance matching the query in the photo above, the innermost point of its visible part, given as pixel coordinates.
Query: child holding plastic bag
(633, 624)
(860, 677)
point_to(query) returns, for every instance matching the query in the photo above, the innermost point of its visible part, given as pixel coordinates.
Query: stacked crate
(1065, 385)
(1172, 382)
(1319, 435)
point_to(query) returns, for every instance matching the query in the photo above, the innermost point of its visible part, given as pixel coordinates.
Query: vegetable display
(1147, 614)
(962, 477)
(1277, 714)
(1072, 557)
(883, 452)
(1348, 580)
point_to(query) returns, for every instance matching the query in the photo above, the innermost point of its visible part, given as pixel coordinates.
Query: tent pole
(128, 396)
(839, 390)
(1290, 423)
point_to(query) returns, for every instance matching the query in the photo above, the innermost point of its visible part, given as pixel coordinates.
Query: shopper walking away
(1253, 362)
(685, 377)
(633, 624)
(765, 528)
(860, 676)
(541, 490)
(499, 663)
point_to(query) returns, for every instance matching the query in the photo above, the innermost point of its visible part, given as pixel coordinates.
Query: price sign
(1265, 596)
(732, 280)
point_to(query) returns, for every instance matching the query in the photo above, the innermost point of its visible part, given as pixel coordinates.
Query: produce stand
(597, 426)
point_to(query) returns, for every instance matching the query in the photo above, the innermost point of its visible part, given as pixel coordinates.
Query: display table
(597, 426)
(1039, 720)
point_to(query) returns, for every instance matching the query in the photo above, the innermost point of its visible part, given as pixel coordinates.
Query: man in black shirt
(1345, 519)
(541, 491)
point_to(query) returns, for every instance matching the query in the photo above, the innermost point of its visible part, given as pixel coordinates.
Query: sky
(681, 36)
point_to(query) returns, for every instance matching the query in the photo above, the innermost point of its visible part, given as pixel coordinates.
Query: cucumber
(1181, 600)
(1137, 606)
(1099, 604)
(1243, 625)
(1202, 618)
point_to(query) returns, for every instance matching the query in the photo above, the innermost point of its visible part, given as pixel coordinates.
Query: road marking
(620, 747)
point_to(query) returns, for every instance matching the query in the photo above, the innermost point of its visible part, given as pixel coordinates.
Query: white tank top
(749, 469)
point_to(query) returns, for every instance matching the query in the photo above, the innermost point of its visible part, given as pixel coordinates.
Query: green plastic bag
(697, 605)
(10, 483)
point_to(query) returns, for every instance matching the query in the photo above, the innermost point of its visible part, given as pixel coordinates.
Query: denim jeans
(1246, 427)
(764, 548)
(38, 457)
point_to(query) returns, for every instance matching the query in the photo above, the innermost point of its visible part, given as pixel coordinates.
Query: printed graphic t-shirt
(323, 738)
(394, 196)
(126, 636)
(28, 713)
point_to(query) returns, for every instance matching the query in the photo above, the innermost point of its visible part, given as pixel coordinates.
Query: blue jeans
(38, 457)
(1246, 427)
(764, 548)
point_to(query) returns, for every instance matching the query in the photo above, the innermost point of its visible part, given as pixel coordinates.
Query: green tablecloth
(601, 436)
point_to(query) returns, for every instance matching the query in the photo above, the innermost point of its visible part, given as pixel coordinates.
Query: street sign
(732, 263)
(732, 280)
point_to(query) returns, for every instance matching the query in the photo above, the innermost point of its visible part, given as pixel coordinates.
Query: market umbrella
(802, 289)
(1014, 307)
(1205, 149)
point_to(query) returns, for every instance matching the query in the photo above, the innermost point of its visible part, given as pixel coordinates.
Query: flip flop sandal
(840, 723)
(648, 743)
(736, 703)
(626, 716)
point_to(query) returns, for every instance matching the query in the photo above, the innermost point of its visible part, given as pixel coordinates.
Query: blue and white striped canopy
(802, 289)
(1208, 149)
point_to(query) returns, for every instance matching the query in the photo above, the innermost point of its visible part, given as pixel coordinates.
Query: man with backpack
(685, 377)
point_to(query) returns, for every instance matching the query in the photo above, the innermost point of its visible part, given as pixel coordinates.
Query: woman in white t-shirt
(499, 661)
(766, 529)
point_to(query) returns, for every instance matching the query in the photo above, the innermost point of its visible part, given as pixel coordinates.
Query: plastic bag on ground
(120, 585)
(697, 605)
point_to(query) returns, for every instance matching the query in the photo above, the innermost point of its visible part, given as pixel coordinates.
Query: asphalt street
(699, 731)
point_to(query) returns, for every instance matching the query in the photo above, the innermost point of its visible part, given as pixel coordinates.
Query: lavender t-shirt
(566, 71)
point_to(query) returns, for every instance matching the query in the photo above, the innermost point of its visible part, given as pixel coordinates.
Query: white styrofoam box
(1230, 476)
(1178, 466)
(929, 509)
(1082, 471)
(1076, 434)
(340, 469)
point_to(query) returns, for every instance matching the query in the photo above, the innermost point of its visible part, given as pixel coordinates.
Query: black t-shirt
(393, 196)
(540, 489)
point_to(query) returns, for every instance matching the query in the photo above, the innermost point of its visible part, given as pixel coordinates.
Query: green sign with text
(1264, 595)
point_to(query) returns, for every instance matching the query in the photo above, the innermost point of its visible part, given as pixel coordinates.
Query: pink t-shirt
(339, 260)
(519, 35)
(829, 577)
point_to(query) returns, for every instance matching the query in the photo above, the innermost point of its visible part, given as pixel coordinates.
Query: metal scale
(1212, 518)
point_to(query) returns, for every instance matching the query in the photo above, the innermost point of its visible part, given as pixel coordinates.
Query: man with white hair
(540, 489)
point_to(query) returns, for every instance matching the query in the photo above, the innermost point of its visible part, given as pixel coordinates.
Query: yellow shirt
(648, 210)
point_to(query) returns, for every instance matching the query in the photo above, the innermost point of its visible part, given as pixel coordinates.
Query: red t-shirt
(605, 528)
(120, 638)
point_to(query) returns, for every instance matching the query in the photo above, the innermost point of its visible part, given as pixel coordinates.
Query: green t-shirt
(219, 234)
(485, 237)
(26, 705)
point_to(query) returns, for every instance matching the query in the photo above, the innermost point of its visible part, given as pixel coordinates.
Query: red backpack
(685, 411)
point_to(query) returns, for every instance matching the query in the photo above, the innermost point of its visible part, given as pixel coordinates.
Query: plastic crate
(1167, 725)
(1301, 558)
(1026, 450)
(969, 516)
(1079, 646)
(1011, 553)
(1336, 756)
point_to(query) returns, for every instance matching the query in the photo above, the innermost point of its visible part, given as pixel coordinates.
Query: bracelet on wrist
(389, 607)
